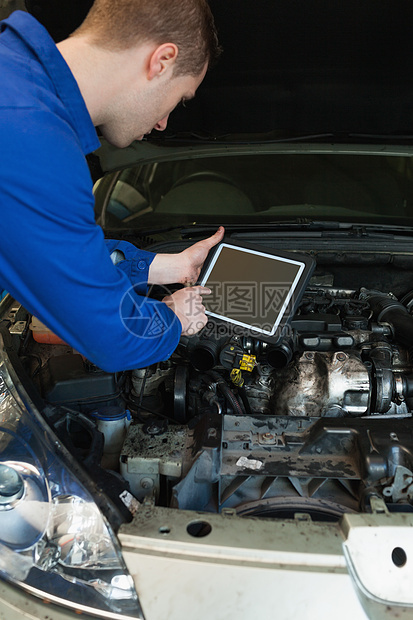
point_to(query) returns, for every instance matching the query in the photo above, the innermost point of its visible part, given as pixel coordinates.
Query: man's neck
(102, 74)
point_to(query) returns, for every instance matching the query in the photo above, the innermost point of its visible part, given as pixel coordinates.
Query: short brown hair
(119, 24)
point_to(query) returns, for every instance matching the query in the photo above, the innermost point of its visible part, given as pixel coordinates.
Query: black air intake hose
(391, 311)
(227, 392)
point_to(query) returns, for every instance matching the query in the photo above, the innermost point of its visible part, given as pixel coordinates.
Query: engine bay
(317, 424)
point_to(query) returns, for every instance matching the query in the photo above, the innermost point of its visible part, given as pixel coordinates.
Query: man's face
(138, 111)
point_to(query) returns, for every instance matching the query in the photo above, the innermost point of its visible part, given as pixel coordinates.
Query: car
(246, 475)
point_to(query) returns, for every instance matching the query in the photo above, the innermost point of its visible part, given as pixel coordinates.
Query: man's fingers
(201, 290)
(187, 305)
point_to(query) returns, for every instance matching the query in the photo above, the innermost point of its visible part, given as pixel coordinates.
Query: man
(124, 71)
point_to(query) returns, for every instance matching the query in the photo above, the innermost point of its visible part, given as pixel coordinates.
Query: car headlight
(54, 541)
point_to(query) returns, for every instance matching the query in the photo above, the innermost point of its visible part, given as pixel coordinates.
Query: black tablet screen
(250, 288)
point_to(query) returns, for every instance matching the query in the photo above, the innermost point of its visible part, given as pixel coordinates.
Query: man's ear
(162, 59)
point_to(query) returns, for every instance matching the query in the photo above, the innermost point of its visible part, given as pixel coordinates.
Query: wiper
(141, 232)
(186, 232)
(303, 224)
(189, 231)
(296, 225)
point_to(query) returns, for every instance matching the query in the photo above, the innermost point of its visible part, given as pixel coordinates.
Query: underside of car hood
(295, 68)
(302, 68)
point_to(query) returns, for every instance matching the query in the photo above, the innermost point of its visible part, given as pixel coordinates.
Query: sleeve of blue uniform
(53, 257)
(135, 262)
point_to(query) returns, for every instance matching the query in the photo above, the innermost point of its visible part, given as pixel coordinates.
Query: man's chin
(120, 142)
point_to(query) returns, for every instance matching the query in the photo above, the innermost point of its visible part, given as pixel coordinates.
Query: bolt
(341, 357)
(153, 429)
(147, 483)
(309, 355)
(268, 436)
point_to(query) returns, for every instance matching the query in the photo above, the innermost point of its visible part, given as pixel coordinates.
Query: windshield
(258, 188)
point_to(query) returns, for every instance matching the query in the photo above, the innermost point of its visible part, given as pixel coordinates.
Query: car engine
(317, 424)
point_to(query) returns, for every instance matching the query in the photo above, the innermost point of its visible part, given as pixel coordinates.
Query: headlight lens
(54, 541)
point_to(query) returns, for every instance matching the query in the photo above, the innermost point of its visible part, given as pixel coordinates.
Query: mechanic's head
(188, 24)
(136, 60)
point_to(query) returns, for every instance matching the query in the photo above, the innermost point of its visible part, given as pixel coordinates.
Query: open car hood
(298, 68)
(294, 68)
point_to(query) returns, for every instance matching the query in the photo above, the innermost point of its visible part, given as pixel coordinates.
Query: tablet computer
(253, 288)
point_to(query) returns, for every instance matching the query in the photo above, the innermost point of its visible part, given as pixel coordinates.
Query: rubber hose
(227, 392)
(392, 311)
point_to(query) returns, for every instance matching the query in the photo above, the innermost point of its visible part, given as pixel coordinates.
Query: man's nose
(161, 125)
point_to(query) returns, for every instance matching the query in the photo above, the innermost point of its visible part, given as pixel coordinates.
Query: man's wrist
(165, 269)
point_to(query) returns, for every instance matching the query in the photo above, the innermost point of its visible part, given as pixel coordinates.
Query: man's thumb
(217, 237)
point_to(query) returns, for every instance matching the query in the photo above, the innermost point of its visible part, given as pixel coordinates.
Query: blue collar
(26, 35)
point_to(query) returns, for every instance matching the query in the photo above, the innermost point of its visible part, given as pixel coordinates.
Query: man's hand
(188, 307)
(185, 267)
(193, 257)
